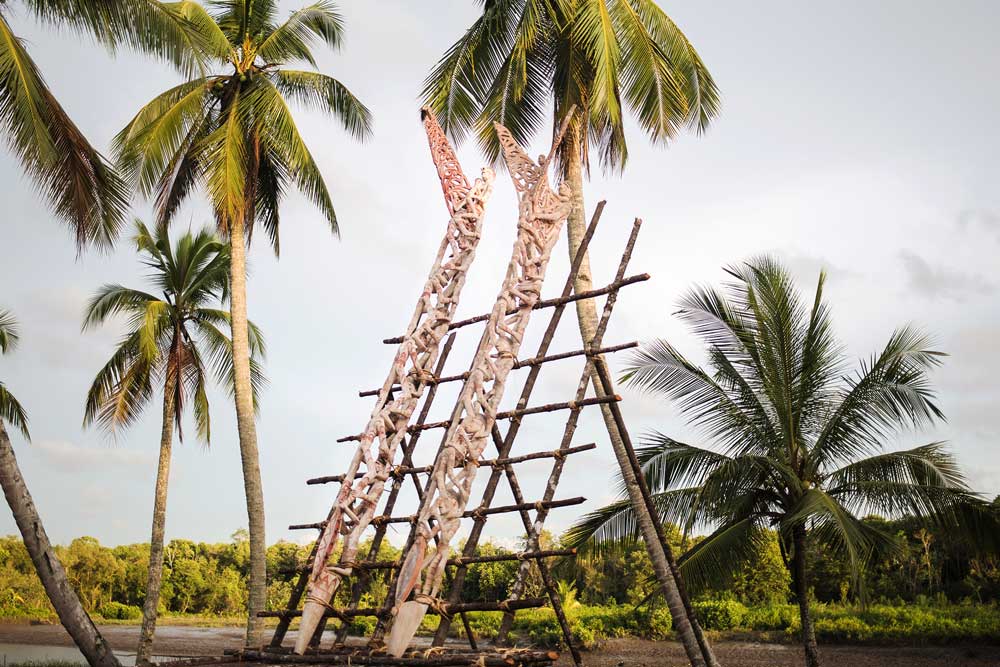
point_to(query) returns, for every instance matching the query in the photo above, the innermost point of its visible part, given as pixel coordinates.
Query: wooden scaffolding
(502, 467)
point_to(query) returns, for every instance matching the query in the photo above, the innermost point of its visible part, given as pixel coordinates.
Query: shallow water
(35, 653)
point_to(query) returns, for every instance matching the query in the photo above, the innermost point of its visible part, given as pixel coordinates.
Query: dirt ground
(178, 641)
(639, 653)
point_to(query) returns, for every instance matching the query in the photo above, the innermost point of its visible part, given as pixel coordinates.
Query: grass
(914, 625)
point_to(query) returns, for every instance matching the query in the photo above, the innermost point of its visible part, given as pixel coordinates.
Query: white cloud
(71, 457)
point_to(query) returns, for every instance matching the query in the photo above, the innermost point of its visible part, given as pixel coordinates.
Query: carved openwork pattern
(542, 213)
(411, 369)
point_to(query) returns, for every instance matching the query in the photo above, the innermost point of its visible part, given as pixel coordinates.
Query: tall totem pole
(541, 214)
(412, 367)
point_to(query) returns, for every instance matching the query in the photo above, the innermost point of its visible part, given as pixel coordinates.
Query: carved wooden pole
(411, 368)
(541, 214)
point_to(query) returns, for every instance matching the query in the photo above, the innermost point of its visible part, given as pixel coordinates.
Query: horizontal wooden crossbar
(401, 471)
(510, 414)
(526, 363)
(458, 608)
(413, 658)
(470, 514)
(454, 562)
(546, 303)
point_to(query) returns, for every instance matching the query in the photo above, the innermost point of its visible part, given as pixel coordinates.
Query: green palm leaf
(328, 95)
(69, 173)
(293, 39)
(12, 412)
(9, 331)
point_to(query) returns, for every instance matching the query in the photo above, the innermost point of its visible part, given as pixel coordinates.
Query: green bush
(116, 611)
(362, 626)
(720, 614)
(770, 617)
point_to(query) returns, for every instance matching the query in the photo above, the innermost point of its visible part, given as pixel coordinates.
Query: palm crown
(796, 441)
(604, 57)
(233, 130)
(173, 339)
(10, 410)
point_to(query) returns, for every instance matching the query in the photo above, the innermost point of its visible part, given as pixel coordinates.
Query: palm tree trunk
(65, 600)
(689, 632)
(802, 593)
(154, 580)
(247, 428)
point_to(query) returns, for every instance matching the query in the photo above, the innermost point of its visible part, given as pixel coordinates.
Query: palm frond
(651, 83)
(182, 33)
(225, 164)
(610, 528)
(243, 19)
(931, 464)
(13, 413)
(703, 98)
(123, 387)
(220, 354)
(890, 392)
(835, 527)
(712, 561)
(182, 173)
(326, 94)
(517, 96)
(279, 134)
(667, 463)
(113, 300)
(71, 175)
(455, 88)
(659, 368)
(272, 185)
(9, 331)
(293, 39)
(152, 141)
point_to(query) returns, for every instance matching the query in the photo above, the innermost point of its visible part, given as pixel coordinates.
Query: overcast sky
(855, 136)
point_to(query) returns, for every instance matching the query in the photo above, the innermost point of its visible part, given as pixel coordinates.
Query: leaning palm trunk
(802, 593)
(685, 622)
(65, 600)
(542, 213)
(247, 429)
(154, 580)
(412, 366)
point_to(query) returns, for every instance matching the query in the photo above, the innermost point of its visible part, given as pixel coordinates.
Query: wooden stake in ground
(541, 215)
(411, 370)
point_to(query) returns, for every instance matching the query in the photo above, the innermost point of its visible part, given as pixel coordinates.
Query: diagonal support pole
(506, 444)
(568, 432)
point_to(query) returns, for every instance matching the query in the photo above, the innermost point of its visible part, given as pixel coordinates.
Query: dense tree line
(210, 579)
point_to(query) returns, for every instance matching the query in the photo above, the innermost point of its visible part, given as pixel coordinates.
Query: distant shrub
(720, 614)
(116, 611)
(770, 617)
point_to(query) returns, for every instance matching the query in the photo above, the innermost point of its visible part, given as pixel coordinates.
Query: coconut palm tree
(520, 59)
(792, 441)
(48, 566)
(231, 131)
(170, 340)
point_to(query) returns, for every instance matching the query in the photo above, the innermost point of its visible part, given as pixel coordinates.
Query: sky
(854, 136)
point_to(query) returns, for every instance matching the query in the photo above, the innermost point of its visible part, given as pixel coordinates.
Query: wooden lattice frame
(502, 467)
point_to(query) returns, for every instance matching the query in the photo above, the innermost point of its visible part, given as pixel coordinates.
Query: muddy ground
(195, 641)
